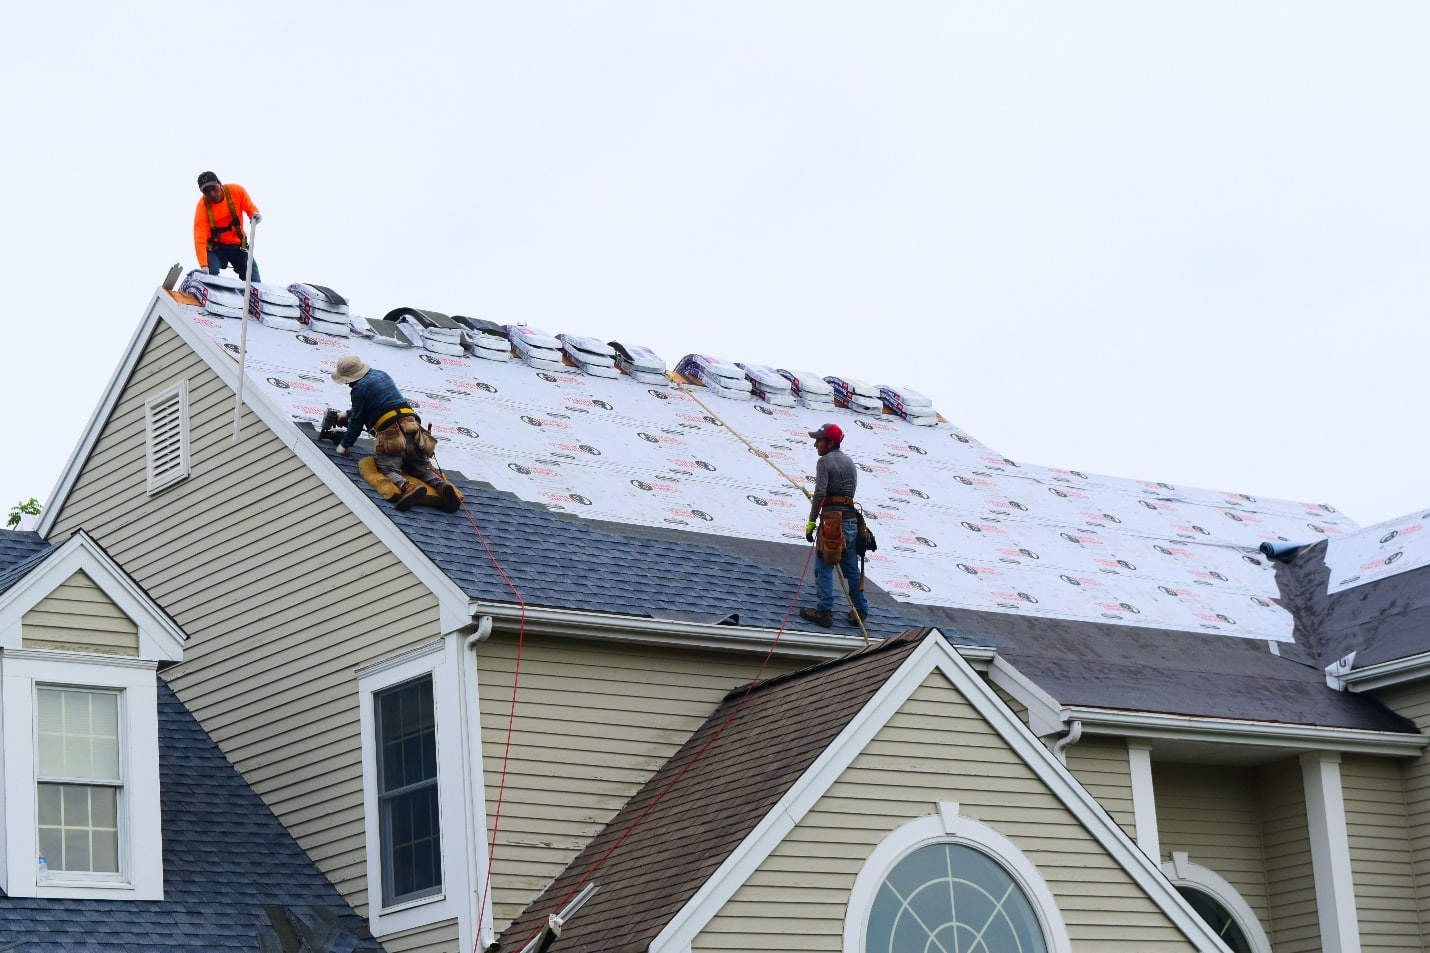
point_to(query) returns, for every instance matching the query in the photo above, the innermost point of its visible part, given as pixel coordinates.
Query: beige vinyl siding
(79, 617)
(1379, 836)
(1413, 702)
(437, 937)
(593, 723)
(1211, 812)
(1290, 881)
(936, 748)
(282, 591)
(1103, 767)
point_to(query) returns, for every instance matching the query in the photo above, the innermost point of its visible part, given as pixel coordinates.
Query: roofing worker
(402, 444)
(832, 506)
(219, 238)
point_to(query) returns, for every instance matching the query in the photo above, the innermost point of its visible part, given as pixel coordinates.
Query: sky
(1176, 242)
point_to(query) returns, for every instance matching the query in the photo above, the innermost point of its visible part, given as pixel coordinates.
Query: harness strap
(235, 224)
(387, 418)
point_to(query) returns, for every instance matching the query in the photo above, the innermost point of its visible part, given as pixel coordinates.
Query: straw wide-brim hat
(350, 368)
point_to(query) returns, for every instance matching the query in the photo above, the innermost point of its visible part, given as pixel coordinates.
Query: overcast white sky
(1172, 242)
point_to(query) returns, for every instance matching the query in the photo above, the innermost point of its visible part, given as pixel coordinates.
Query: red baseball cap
(830, 432)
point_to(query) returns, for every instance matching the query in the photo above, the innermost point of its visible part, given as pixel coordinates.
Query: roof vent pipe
(1280, 552)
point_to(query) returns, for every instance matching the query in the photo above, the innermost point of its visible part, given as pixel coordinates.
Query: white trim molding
(141, 854)
(1330, 852)
(1144, 798)
(1183, 873)
(946, 826)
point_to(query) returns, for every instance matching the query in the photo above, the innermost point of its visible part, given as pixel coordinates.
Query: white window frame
(155, 479)
(434, 659)
(948, 827)
(120, 785)
(141, 864)
(1184, 873)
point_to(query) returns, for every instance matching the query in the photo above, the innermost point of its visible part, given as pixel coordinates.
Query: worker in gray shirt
(832, 506)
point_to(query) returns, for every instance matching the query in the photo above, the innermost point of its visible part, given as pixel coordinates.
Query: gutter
(1125, 724)
(1386, 674)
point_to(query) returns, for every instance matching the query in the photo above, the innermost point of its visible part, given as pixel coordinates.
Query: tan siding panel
(79, 617)
(810, 874)
(1290, 881)
(282, 591)
(1103, 767)
(437, 938)
(1378, 829)
(1413, 701)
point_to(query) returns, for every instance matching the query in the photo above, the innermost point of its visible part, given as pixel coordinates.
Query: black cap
(206, 177)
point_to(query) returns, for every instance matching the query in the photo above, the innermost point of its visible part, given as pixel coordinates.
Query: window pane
(78, 826)
(78, 734)
(408, 823)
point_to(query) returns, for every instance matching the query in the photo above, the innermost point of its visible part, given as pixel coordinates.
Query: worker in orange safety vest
(219, 238)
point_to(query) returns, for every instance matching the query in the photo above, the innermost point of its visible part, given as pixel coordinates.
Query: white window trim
(141, 836)
(947, 827)
(440, 660)
(155, 482)
(1183, 873)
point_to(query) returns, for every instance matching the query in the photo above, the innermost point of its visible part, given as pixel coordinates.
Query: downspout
(477, 857)
(1073, 736)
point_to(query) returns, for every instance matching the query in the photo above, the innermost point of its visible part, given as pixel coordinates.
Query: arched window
(1218, 903)
(950, 882)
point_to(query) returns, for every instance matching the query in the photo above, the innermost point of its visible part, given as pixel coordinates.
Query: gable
(79, 616)
(936, 748)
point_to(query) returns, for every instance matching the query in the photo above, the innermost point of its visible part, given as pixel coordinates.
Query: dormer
(80, 644)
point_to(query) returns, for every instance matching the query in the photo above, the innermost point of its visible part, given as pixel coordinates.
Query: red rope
(693, 758)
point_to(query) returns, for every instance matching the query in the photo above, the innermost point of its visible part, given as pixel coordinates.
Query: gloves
(342, 450)
(809, 532)
(257, 217)
(342, 420)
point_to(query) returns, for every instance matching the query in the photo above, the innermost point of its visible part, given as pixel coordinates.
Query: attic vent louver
(166, 436)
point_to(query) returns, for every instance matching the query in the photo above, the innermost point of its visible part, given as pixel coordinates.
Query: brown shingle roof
(782, 728)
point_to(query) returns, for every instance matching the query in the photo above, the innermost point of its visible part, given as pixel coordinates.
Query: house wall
(438, 937)
(280, 589)
(1212, 812)
(1290, 880)
(593, 722)
(1413, 701)
(1379, 833)
(79, 617)
(1103, 767)
(936, 748)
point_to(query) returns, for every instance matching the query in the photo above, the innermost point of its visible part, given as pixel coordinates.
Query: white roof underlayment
(958, 524)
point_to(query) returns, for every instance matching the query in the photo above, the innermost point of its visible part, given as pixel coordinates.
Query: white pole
(243, 334)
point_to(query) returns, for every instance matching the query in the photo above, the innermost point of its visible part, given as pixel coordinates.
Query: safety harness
(234, 224)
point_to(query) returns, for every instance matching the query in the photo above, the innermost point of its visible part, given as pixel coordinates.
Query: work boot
(450, 502)
(856, 618)
(412, 494)
(818, 616)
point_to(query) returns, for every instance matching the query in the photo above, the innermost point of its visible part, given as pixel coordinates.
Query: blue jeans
(849, 565)
(234, 257)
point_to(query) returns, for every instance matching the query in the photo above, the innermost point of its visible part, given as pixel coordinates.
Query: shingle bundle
(910, 405)
(589, 354)
(483, 338)
(536, 347)
(220, 295)
(809, 389)
(641, 363)
(767, 384)
(436, 331)
(323, 309)
(722, 377)
(274, 307)
(387, 332)
(858, 396)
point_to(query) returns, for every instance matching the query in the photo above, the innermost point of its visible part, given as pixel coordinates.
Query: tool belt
(829, 543)
(396, 427)
(388, 417)
(839, 501)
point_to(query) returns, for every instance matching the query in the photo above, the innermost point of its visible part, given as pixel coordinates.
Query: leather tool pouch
(831, 535)
(390, 441)
(425, 442)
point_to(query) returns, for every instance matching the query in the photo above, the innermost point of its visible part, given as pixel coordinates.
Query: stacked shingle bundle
(910, 405)
(589, 354)
(810, 389)
(858, 396)
(386, 332)
(722, 377)
(221, 296)
(484, 339)
(274, 307)
(436, 331)
(767, 384)
(641, 363)
(536, 348)
(324, 310)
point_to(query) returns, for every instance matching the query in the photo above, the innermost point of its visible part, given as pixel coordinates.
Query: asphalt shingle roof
(19, 553)
(228, 863)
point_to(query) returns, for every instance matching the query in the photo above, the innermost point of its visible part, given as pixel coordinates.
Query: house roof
(19, 553)
(229, 868)
(720, 799)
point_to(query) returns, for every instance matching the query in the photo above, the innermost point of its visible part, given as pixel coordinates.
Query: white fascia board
(1127, 724)
(160, 638)
(1045, 715)
(451, 599)
(933, 654)
(1385, 674)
